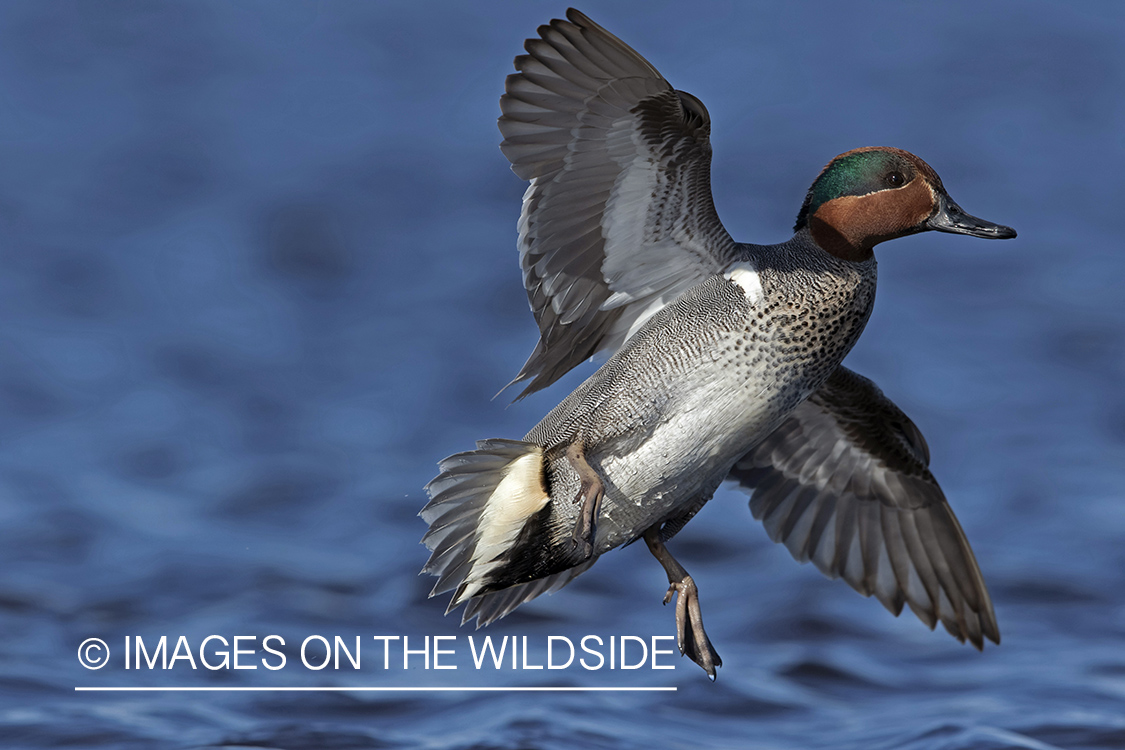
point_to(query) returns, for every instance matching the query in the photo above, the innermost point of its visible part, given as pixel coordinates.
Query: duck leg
(690, 635)
(589, 495)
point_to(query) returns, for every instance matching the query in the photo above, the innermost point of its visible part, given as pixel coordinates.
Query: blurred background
(258, 275)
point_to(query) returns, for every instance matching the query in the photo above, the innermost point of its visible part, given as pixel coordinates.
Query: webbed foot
(690, 635)
(589, 497)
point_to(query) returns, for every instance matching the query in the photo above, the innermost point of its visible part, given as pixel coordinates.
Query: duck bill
(950, 218)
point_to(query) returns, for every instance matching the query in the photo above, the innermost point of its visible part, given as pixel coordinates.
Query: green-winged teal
(725, 360)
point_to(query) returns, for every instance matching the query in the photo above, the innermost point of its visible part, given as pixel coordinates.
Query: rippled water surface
(259, 275)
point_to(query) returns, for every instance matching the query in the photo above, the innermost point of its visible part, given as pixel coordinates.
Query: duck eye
(894, 179)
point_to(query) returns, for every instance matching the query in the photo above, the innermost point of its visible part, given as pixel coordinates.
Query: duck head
(870, 195)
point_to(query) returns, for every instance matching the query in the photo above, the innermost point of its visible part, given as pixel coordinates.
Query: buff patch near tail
(479, 504)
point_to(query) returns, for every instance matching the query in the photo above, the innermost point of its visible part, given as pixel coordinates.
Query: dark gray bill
(950, 218)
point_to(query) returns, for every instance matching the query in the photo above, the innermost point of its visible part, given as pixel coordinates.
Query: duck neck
(825, 235)
(834, 248)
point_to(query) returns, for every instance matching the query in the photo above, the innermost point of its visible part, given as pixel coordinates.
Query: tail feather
(479, 503)
(490, 607)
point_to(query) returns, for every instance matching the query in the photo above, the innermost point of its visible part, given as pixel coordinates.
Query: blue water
(258, 276)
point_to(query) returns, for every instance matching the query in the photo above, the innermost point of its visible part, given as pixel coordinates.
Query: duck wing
(845, 482)
(618, 219)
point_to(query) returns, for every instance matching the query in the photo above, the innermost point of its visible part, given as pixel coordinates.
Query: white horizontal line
(474, 689)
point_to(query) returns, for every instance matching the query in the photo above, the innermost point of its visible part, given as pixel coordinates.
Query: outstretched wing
(618, 219)
(844, 482)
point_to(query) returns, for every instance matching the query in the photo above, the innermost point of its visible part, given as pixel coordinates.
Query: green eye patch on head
(855, 173)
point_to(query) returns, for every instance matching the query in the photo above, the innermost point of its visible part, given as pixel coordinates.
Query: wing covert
(844, 482)
(618, 220)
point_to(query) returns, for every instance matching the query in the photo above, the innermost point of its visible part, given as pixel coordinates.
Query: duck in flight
(725, 361)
